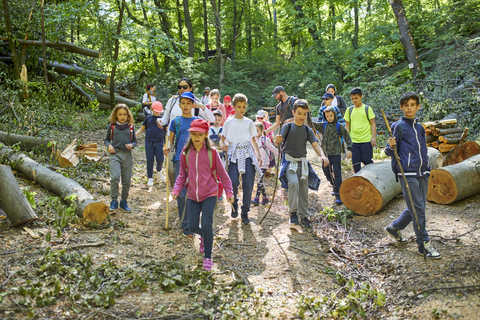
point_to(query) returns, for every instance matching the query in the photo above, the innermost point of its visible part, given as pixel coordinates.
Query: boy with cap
(284, 108)
(154, 137)
(178, 138)
(327, 102)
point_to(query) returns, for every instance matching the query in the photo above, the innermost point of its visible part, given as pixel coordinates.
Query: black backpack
(399, 139)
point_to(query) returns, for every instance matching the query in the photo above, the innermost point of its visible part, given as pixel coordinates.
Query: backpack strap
(131, 132)
(185, 155)
(178, 123)
(366, 112)
(112, 129)
(338, 128)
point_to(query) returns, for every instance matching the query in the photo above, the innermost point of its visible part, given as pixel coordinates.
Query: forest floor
(289, 272)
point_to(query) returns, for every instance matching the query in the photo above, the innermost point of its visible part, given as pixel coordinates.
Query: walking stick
(168, 193)
(397, 158)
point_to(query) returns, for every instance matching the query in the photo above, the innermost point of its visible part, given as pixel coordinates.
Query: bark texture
(25, 142)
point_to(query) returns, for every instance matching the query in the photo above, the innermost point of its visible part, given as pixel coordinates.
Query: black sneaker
(395, 234)
(245, 219)
(430, 251)
(234, 213)
(306, 222)
(293, 218)
(187, 233)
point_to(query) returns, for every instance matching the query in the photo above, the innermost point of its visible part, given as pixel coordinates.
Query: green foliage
(333, 215)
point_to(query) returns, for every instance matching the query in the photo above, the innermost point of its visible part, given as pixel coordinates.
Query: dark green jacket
(331, 143)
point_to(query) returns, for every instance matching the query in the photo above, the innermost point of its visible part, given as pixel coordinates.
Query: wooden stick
(93, 244)
(168, 193)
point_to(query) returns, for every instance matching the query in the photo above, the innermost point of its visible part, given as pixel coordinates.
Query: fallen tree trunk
(25, 142)
(13, 202)
(370, 189)
(74, 70)
(87, 206)
(104, 97)
(64, 46)
(461, 152)
(444, 132)
(455, 182)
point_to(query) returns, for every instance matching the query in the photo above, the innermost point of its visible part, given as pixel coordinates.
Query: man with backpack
(284, 108)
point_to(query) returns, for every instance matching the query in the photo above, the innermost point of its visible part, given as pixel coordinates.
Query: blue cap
(188, 95)
(325, 96)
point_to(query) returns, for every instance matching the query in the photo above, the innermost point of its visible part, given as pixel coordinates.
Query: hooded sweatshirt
(331, 143)
(201, 184)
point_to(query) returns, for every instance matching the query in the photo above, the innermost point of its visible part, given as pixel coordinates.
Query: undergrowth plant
(334, 215)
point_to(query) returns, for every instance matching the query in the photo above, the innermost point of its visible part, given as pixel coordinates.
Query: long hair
(188, 81)
(260, 125)
(208, 143)
(113, 115)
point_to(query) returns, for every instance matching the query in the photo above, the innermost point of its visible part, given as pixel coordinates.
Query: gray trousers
(121, 166)
(297, 193)
(418, 188)
(182, 205)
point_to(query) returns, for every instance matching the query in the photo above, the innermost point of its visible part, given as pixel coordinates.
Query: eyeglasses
(207, 92)
(182, 87)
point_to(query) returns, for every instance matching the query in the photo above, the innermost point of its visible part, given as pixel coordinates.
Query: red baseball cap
(157, 106)
(199, 125)
(227, 98)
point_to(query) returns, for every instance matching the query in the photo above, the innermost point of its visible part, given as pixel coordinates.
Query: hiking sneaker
(265, 201)
(124, 206)
(113, 205)
(202, 247)
(220, 198)
(234, 213)
(306, 222)
(395, 234)
(293, 218)
(338, 201)
(187, 233)
(245, 219)
(255, 201)
(161, 177)
(150, 182)
(430, 251)
(207, 264)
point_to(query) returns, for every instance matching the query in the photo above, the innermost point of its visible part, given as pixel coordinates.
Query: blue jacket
(313, 179)
(412, 149)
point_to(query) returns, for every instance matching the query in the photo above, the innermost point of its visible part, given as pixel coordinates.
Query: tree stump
(461, 152)
(370, 189)
(13, 202)
(455, 182)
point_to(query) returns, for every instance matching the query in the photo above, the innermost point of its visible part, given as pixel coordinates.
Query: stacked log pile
(444, 135)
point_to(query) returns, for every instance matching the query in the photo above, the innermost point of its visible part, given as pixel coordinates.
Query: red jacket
(201, 184)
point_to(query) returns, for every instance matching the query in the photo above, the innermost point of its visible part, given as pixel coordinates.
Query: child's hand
(326, 162)
(374, 141)
(159, 123)
(110, 149)
(166, 151)
(392, 142)
(349, 154)
(174, 196)
(230, 199)
(259, 162)
(129, 146)
(225, 147)
(278, 139)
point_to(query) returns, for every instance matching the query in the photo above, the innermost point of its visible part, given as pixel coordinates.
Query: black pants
(333, 172)
(361, 153)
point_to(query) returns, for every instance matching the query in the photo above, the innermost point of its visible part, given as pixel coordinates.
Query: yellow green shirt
(360, 130)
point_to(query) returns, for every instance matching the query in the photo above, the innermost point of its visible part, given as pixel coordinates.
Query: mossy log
(370, 189)
(87, 206)
(455, 182)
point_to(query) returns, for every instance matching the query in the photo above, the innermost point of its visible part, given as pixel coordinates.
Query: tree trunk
(115, 55)
(370, 189)
(205, 29)
(13, 201)
(179, 17)
(355, 31)
(25, 142)
(44, 51)
(274, 18)
(104, 97)
(23, 53)
(218, 36)
(455, 182)
(63, 46)
(74, 70)
(188, 24)
(8, 24)
(311, 29)
(332, 14)
(406, 36)
(160, 4)
(443, 132)
(86, 206)
(234, 31)
(461, 152)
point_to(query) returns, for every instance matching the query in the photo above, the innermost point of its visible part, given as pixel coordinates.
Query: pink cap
(157, 106)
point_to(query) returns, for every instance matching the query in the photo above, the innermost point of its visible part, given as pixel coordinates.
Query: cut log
(431, 138)
(428, 132)
(434, 144)
(442, 126)
(88, 152)
(444, 132)
(448, 121)
(464, 135)
(74, 70)
(25, 142)
(370, 189)
(104, 97)
(87, 206)
(13, 202)
(64, 46)
(444, 148)
(462, 152)
(68, 158)
(450, 136)
(455, 182)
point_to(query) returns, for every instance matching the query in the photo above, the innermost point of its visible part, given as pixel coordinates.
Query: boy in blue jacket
(409, 137)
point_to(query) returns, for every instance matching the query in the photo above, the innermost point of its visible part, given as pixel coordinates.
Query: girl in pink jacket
(202, 169)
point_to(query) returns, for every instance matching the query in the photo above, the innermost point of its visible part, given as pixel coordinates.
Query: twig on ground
(93, 244)
(440, 288)
(475, 228)
(7, 273)
(137, 232)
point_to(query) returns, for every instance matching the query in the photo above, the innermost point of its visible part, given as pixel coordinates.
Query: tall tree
(218, 38)
(236, 27)
(160, 4)
(179, 17)
(312, 28)
(8, 23)
(23, 53)
(115, 55)
(355, 31)
(334, 22)
(406, 36)
(205, 30)
(44, 51)
(188, 24)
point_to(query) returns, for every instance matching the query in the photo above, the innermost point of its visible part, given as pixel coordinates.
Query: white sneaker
(150, 182)
(430, 251)
(161, 177)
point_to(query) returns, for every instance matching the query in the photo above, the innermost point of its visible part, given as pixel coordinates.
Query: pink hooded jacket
(267, 144)
(201, 184)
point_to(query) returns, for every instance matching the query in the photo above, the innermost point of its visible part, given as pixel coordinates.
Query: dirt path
(288, 263)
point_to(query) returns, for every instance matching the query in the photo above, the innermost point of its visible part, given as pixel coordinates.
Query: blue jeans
(418, 188)
(248, 180)
(181, 204)
(361, 153)
(207, 208)
(153, 150)
(333, 172)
